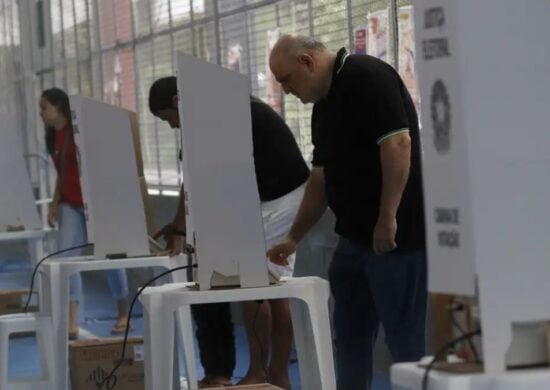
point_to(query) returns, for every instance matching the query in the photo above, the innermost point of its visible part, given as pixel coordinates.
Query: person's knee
(279, 307)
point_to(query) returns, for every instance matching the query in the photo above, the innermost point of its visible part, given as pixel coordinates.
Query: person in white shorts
(281, 173)
(278, 216)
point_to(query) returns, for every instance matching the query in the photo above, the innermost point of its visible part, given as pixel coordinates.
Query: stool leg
(178, 352)
(57, 296)
(305, 346)
(44, 339)
(155, 341)
(42, 346)
(186, 327)
(317, 301)
(166, 351)
(4, 350)
(175, 366)
(36, 254)
(179, 277)
(61, 326)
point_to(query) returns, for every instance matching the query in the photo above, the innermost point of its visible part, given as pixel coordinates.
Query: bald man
(366, 167)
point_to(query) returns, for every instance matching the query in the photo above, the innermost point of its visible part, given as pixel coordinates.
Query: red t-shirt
(71, 192)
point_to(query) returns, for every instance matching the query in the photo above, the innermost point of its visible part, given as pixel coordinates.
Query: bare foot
(120, 325)
(252, 379)
(214, 381)
(280, 379)
(73, 331)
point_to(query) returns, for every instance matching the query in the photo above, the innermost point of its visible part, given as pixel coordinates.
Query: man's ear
(307, 60)
(175, 101)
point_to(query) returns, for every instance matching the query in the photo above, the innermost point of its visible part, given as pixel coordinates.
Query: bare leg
(257, 318)
(216, 343)
(281, 341)
(122, 316)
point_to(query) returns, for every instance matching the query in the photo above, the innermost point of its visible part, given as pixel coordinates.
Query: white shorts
(278, 216)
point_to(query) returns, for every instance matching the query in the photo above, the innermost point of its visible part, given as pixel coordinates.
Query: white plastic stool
(409, 376)
(35, 245)
(57, 273)
(154, 335)
(32, 322)
(34, 239)
(309, 308)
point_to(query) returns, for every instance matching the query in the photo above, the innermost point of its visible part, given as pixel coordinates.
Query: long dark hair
(59, 99)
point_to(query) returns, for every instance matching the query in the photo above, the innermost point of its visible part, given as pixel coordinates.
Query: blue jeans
(369, 290)
(72, 232)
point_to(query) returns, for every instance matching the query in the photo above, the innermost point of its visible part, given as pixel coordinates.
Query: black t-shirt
(367, 102)
(280, 166)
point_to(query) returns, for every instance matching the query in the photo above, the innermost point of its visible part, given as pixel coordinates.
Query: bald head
(290, 46)
(303, 66)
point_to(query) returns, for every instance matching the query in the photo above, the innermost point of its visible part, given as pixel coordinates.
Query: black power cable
(35, 270)
(442, 351)
(463, 331)
(111, 379)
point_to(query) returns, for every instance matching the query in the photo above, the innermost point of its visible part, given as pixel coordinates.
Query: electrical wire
(35, 270)
(111, 379)
(442, 351)
(463, 332)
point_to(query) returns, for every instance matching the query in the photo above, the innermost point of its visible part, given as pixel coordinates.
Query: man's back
(280, 166)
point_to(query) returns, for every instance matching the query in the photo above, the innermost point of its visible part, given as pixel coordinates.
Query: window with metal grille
(114, 49)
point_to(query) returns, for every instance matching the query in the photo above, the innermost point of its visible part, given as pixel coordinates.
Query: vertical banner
(407, 53)
(445, 164)
(378, 34)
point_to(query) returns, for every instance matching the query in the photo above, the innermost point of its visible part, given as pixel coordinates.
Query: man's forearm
(395, 156)
(313, 206)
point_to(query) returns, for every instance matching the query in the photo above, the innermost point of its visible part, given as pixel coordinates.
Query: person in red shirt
(67, 206)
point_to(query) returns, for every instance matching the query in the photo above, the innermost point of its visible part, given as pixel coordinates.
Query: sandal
(120, 329)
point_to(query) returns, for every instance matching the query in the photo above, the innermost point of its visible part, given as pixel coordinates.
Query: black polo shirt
(280, 166)
(367, 103)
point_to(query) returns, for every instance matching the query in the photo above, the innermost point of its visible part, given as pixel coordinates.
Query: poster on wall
(111, 77)
(274, 92)
(234, 57)
(378, 34)
(360, 34)
(407, 53)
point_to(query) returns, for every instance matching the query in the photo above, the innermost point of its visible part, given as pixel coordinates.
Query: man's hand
(279, 253)
(383, 240)
(53, 214)
(173, 240)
